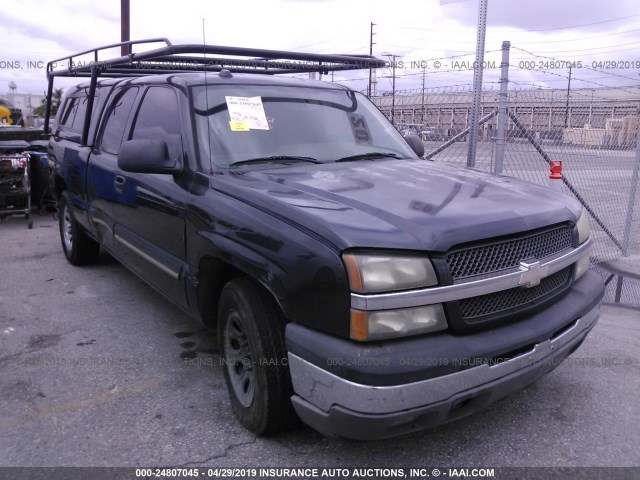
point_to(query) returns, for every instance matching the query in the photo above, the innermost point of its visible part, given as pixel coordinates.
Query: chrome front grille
(507, 254)
(514, 298)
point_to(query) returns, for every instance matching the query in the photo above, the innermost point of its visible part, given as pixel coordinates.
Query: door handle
(119, 182)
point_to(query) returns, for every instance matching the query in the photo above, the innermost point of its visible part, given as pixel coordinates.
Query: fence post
(627, 225)
(477, 83)
(632, 199)
(502, 108)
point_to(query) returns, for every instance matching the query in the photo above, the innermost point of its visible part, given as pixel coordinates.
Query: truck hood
(398, 204)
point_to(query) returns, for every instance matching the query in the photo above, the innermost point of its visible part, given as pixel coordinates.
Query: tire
(251, 336)
(78, 247)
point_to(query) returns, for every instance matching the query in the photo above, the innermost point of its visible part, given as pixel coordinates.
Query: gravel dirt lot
(96, 369)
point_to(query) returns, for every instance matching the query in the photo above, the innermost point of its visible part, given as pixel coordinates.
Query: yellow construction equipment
(5, 115)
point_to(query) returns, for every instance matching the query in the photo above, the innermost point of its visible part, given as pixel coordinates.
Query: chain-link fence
(593, 131)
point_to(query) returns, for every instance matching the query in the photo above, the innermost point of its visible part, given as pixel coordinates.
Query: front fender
(305, 276)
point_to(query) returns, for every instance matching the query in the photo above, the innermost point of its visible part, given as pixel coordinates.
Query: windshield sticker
(237, 126)
(359, 128)
(248, 110)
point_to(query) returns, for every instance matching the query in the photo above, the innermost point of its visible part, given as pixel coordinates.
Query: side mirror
(416, 144)
(147, 156)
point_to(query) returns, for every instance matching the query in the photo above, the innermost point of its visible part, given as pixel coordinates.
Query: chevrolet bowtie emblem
(532, 273)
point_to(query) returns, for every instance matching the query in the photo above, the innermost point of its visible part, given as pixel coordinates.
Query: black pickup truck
(351, 282)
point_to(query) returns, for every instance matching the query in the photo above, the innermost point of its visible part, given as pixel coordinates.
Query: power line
(416, 48)
(582, 38)
(566, 27)
(584, 66)
(594, 48)
(356, 50)
(563, 79)
(542, 56)
(584, 24)
(455, 56)
(546, 72)
(361, 47)
(325, 41)
(472, 42)
(597, 53)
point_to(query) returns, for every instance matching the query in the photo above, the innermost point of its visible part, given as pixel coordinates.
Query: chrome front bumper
(336, 406)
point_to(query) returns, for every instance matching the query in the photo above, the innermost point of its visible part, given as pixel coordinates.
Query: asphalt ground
(96, 369)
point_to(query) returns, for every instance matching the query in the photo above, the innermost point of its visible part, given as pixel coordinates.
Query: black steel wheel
(78, 247)
(251, 336)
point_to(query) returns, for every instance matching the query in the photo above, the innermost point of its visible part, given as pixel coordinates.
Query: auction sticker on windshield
(248, 110)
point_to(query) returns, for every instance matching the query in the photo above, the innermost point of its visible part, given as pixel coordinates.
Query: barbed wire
(572, 93)
(454, 89)
(448, 57)
(547, 72)
(572, 78)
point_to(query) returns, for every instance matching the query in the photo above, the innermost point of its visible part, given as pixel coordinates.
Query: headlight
(374, 273)
(381, 324)
(584, 230)
(582, 266)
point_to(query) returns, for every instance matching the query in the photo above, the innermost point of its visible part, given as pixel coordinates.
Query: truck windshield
(241, 124)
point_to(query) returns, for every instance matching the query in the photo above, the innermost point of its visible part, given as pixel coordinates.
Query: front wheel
(78, 247)
(251, 335)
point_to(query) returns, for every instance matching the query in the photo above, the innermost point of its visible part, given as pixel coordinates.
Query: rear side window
(158, 119)
(81, 111)
(69, 112)
(116, 121)
(72, 116)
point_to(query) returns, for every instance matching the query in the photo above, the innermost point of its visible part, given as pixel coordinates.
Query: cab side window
(159, 119)
(116, 121)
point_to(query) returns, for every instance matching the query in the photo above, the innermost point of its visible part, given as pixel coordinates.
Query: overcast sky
(586, 31)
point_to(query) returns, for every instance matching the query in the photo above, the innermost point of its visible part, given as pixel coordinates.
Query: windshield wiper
(276, 159)
(369, 156)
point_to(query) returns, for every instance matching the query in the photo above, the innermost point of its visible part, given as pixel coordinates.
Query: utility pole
(374, 83)
(125, 22)
(393, 85)
(566, 114)
(371, 44)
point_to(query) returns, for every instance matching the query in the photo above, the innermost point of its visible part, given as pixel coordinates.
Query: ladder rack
(191, 58)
